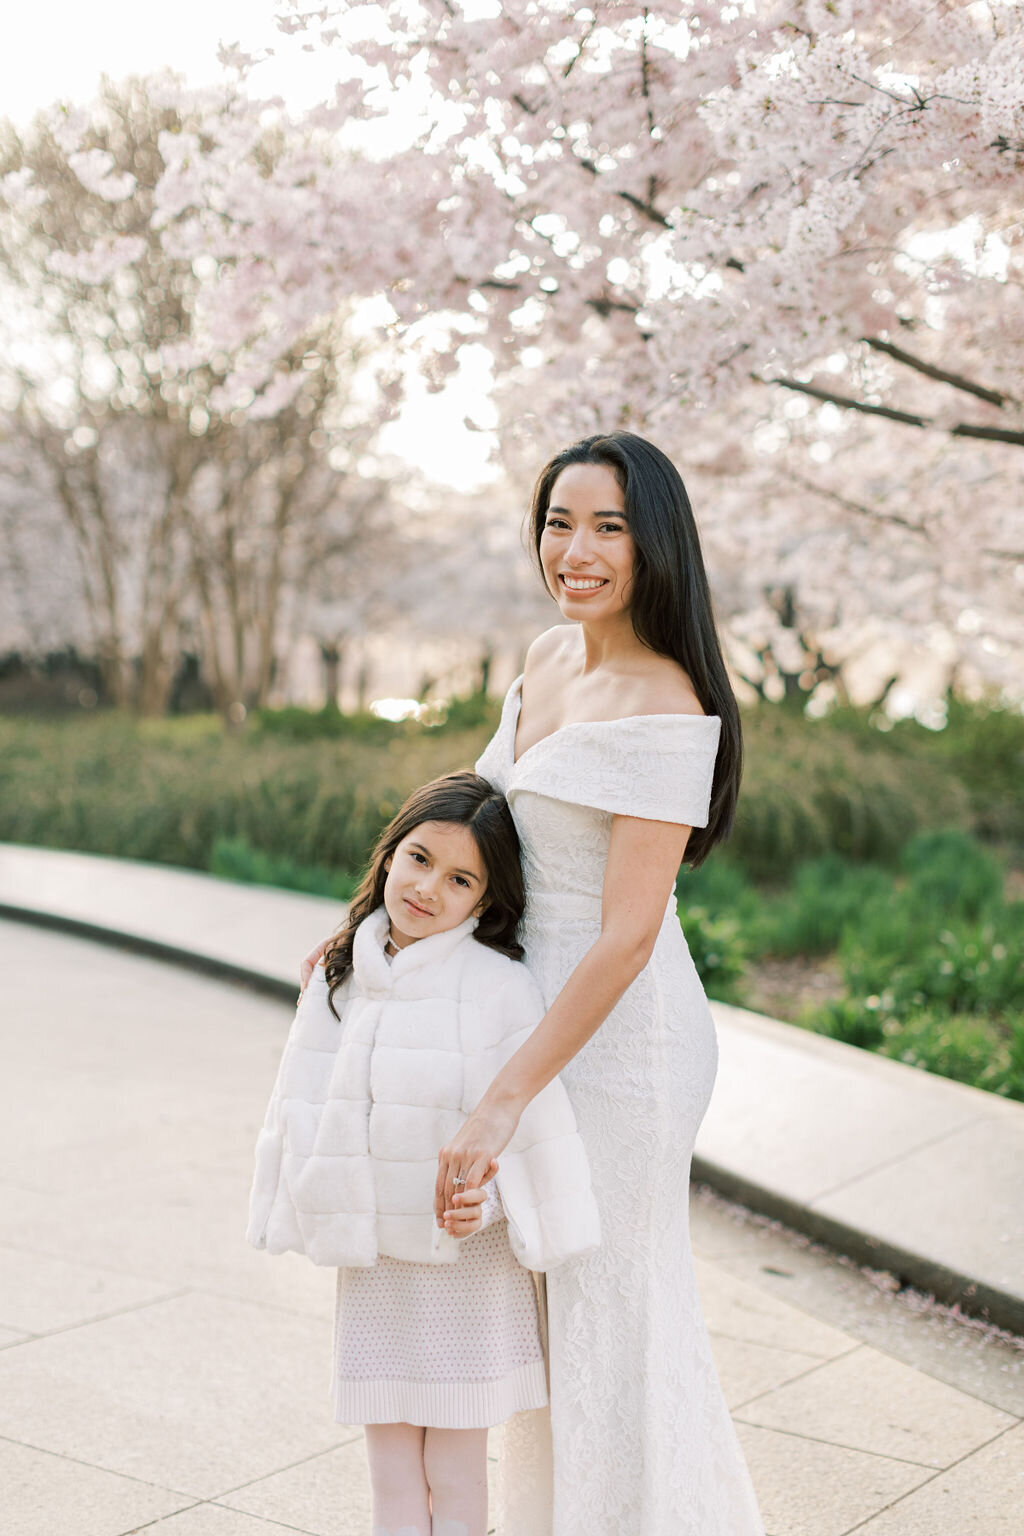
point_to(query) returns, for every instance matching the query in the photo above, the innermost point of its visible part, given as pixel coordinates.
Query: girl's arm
(643, 862)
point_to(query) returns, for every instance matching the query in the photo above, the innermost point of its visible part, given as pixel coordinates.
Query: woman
(619, 752)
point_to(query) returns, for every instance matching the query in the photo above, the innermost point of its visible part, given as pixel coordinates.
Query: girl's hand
(466, 1214)
(309, 965)
(473, 1151)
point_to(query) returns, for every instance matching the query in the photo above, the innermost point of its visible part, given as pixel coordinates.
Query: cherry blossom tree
(704, 195)
(780, 237)
(189, 500)
(783, 239)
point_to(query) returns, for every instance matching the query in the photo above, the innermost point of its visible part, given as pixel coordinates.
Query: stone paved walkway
(898, 1167)
(157, 1374)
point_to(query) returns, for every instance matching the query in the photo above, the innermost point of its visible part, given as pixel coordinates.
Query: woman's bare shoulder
(665, 689)
(550, 645)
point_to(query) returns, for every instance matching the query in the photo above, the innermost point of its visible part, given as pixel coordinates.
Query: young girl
(417, 1003)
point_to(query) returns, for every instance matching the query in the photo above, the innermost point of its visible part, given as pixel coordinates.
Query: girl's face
(436, 879)
(586, 549)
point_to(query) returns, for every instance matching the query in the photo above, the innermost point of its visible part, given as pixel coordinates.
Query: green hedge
(168, 791)
(813, 787)
(317, 787)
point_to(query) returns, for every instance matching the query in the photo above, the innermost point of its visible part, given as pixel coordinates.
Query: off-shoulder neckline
(516, 689)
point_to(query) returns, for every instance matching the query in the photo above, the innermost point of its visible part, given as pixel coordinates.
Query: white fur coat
(347, 1158)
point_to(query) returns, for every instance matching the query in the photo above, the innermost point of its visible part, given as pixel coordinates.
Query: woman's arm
(643, 862)
(309, 966)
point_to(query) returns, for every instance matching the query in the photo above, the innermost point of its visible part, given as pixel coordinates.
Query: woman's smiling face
(586, 549)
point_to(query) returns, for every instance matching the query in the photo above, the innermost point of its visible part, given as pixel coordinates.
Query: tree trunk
(331, 653)
(426, 683)
(362, 683)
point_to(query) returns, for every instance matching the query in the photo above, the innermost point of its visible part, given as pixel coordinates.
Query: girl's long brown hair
(459, 799)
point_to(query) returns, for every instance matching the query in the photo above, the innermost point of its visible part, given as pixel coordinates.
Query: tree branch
(988, 434)
(908, 418)
(647, 209)
(944, 376)
(856, 506)
(567, 71)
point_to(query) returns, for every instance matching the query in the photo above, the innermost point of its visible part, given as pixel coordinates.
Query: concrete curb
(155, 949)
(954, 1287)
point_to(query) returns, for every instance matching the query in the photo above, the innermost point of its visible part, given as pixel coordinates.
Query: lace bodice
(659, 767)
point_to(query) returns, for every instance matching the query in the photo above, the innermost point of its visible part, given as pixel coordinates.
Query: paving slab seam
(948, 1285)
(938, 1472)
(785, 1349)
(860, 1450)
(94, 1466)
(96, 1317)
(132, 1530)
(282, 1525)
(289, 1466)
(812, 1370)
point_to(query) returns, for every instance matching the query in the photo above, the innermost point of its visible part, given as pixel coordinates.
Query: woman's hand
(473, 1151)
(309, 965)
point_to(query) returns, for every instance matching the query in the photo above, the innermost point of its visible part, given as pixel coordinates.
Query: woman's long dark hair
(671, 606)
(458, 799)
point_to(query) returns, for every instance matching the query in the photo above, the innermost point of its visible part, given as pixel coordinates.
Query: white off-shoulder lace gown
(637, 1439)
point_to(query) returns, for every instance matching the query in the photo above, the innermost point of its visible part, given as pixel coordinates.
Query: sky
(59, 49)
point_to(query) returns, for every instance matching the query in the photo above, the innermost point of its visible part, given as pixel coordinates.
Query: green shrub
(984, 748)
(317, 786)
(720, 885)
(814, 788)
(854, 1020)
(964, 1047)
(951, 873)
(471, 712)
(968, 1048)
(314, 724)
(165, 791)
(961, 966)
(474, 711)
(718, 949)
(234, 859)
(829, 894)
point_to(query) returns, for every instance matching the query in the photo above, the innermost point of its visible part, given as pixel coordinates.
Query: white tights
(427, 1482)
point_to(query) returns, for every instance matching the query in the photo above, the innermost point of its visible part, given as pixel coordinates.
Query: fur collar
(376, 975)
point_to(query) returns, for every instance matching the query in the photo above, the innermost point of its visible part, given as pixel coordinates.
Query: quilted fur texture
(347, 1158)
